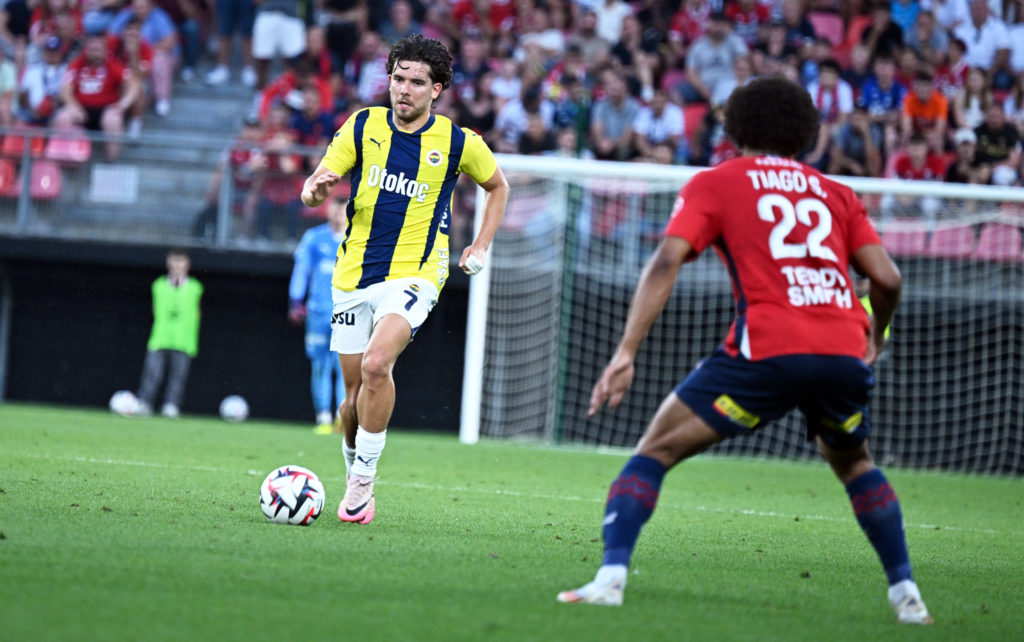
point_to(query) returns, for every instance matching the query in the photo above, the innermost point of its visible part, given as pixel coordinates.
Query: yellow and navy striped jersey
(401, 197)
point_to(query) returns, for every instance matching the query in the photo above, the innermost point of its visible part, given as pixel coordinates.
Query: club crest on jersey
(378, 176)
(434, 158)
(414, 287)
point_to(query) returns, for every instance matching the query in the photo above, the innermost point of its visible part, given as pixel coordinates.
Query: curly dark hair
(771, 115)
(417, 48)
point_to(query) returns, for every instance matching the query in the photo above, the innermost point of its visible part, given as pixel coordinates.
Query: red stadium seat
(67, 148)
(14, 146)
(952, 242)
(10, 186)
(999, 242)
(828, 25)
(905, 241)
(45, 180)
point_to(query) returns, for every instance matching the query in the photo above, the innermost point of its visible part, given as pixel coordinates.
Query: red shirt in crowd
(116, 50)
(785, 233)
(96, 86)
(502, 14)
(932, 170)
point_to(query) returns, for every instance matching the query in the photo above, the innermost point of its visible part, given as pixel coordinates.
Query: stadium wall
(80, 317)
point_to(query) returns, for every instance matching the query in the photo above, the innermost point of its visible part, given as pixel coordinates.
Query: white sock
(323, 417)
(368, 448)
(349, 453)
(612, 573)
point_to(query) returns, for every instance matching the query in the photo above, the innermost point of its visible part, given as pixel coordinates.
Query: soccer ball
(292, 495)
(123, 402)
(234, 408)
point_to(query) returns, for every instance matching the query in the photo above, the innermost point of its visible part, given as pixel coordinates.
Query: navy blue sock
(878, 512)
(631, 501)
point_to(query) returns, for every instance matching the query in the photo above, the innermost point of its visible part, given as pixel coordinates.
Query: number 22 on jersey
(772, 207)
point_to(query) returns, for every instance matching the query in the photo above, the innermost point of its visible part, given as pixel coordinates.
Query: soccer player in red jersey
(787, 235)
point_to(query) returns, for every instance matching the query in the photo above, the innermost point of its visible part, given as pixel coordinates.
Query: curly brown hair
(771, 115)
(417, 48)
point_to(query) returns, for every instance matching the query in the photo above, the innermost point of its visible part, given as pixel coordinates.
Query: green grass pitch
(118, 529)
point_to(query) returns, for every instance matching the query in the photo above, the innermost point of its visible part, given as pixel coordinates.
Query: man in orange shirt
(925, 111)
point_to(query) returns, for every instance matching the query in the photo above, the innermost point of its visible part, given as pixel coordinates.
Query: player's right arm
(652, 292)
(337, 161)
(299, 283)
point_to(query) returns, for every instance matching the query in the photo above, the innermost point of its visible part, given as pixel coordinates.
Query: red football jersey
(96, 87)
(785, 233)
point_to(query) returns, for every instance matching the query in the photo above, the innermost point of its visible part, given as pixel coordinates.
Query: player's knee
(376, 369)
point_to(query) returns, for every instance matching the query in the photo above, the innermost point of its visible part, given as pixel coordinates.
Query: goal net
(546, 314)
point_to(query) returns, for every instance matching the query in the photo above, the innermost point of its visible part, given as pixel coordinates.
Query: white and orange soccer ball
(292, 495)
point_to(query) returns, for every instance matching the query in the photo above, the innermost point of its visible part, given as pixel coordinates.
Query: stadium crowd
(914, 89)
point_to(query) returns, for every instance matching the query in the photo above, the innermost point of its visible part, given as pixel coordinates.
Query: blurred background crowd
(914, 89)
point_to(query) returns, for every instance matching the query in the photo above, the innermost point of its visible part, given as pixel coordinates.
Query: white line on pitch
(499, 491)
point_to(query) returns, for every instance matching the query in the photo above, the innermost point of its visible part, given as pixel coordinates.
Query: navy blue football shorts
(734, 395)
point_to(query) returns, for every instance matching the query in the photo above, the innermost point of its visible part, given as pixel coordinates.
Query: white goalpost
(545, 314)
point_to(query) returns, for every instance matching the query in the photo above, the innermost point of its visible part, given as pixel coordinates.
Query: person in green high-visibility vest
(861, 288)
(174, 339)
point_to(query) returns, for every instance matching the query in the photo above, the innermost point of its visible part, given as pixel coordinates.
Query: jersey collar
(428, 125)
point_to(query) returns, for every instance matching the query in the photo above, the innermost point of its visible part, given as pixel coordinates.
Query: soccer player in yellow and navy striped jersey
(403, 164)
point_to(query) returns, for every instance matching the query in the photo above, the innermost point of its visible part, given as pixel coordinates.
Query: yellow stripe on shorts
(736, 412)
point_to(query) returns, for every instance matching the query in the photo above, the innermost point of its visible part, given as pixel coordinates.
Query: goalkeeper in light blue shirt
(309, 294)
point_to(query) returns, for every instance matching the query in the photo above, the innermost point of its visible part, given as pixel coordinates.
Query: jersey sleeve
(341, 153)
(695, 215)
(862, 232)
(477, 160)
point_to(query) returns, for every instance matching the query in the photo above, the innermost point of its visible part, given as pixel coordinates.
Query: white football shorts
(357, 312)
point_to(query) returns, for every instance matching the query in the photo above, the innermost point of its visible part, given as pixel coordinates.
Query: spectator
(988, 41)
(929, 43)
(742, 72)
(137, 57)
(279, 178)
(507, 84)
(612, 121)
(834, 99)
(365, 70)
(39, 90)
(96, 91)
(610, 15)
(925, 111)
(859, 71)
(1014, 105)
(661, 123)
(904, 14)
(400, 22)
(344, 21)
(883, 36)
(972, 101)
(277, 30)
(540, 43)
(512, 119)
(774, 53)
(799, 30)
(999, 146)
(187, 15)
(537, 139)
(966, 168)
(883, 98)
(748, 18)
(907, 66)
(8, 89)
(174, 339)
(1016, 31)
(569, 146)
(320, 60)
(292, 82)
(233, 17)
(952, 74)
(593, 47)
(917, 164)
(710, 60)
(688, 25)
(470, 64)
(819, 51)
(475, 108)
(157, 30)
(241, 159)
(855, 151)
(313, 125)
(635, 57)
(949, 14)
(573, 108)
(96, 17)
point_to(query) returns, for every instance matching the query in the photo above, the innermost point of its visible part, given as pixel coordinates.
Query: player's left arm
(652, 292)
(496, 191)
